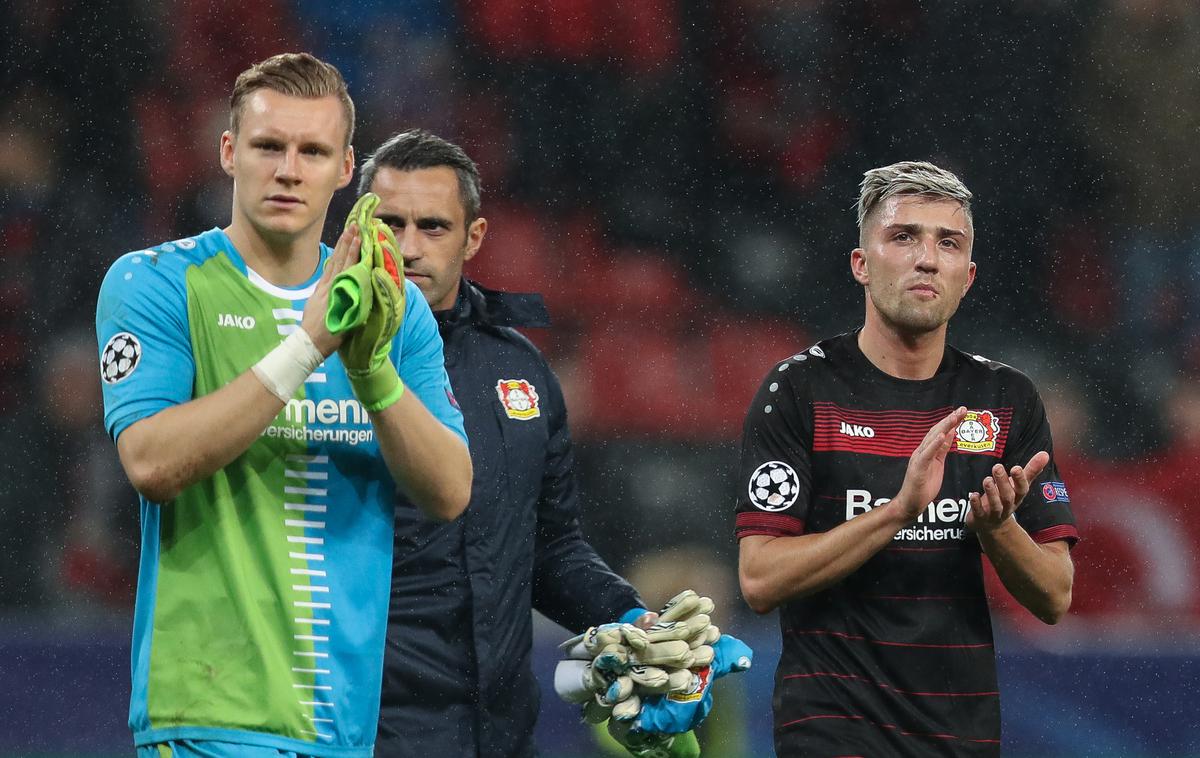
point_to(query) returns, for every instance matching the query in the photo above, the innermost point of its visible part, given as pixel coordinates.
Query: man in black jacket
(457, 680)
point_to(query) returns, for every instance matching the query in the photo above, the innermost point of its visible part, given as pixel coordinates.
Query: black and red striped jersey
(896, 659)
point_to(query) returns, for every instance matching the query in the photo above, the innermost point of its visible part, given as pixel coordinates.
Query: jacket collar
(477, 304)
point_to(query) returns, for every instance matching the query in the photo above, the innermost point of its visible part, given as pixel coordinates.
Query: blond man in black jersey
(877, 467)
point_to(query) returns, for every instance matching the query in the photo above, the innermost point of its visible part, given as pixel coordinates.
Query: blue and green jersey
(263, 590)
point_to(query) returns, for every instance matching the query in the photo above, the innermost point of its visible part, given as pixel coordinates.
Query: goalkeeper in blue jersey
(270, 438)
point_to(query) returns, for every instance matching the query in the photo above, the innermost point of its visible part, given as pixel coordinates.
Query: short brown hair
(417, 149)
(294, 74)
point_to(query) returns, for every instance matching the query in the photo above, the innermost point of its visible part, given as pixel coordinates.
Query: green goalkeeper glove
(367, 300)
(350, 294)
(645, 744)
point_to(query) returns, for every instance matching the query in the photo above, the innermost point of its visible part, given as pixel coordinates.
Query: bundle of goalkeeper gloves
(366, 301)
(653, 686)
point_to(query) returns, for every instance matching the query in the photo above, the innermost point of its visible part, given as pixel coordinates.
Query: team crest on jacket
(977, 432)
(519, 398)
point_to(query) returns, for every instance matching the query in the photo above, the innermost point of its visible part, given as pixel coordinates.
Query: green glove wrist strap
(377, 389)
(642, 744)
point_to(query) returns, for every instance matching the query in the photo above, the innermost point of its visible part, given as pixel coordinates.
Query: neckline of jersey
(299, 292)
(871, 371)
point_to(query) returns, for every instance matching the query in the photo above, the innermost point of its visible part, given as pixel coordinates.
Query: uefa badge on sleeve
(519, 398)
(1055, 492)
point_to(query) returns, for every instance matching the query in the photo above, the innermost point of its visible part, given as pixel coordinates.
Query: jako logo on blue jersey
(241, 322)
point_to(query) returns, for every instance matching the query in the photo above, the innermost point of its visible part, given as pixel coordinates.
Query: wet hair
(294, 74)
(909, 178)
(417, 149)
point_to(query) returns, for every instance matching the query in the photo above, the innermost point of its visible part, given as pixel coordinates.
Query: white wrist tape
(285, 368)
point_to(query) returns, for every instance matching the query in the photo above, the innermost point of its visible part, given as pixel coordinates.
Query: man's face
(916, 263)
(286, 161)
(425, 212)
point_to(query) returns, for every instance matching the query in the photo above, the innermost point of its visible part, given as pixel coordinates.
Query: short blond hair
(296, 75)
(909, 178)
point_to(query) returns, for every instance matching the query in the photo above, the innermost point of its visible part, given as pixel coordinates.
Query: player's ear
(475, 234)
(970, 277)
(226, 152)
(858, 266)
(347, 172)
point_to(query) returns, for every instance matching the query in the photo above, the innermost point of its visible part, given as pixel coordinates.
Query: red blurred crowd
(677, 180)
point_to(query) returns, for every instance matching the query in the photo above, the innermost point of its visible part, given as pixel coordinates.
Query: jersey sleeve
(1046, 511)
(146, 361)
(775, 476)
(422, 365)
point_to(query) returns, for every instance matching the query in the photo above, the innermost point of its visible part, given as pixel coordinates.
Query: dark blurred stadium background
(677, 177)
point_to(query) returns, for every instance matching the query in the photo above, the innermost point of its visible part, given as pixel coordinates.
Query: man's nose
(409, 248)
(927, 255)
(288, 169)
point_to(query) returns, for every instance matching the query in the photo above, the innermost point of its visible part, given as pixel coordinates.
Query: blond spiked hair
(909, 178)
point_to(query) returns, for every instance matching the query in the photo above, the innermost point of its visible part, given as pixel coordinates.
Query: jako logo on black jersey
(857, 430)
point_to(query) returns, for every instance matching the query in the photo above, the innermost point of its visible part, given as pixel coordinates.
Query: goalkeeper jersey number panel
(262, 590)
(896, 659)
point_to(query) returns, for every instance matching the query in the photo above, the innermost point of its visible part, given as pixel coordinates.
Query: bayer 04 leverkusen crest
(978, 431)
(519, 398)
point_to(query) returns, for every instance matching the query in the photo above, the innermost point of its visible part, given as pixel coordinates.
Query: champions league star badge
(977, 432)
(120, 357)
(774, 486)
(519, 398)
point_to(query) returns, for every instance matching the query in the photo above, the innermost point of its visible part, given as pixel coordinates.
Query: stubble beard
(440, 287)
(913, 320)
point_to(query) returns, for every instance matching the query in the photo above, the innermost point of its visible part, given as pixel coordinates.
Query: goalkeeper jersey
(262, 590)
(895, 659)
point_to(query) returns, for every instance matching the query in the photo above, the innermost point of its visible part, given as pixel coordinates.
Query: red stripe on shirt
(776, 524)
(860, 638)
(1054, 533)
(896, 434)
(866, 720)
(882, 685)
(936, 414)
